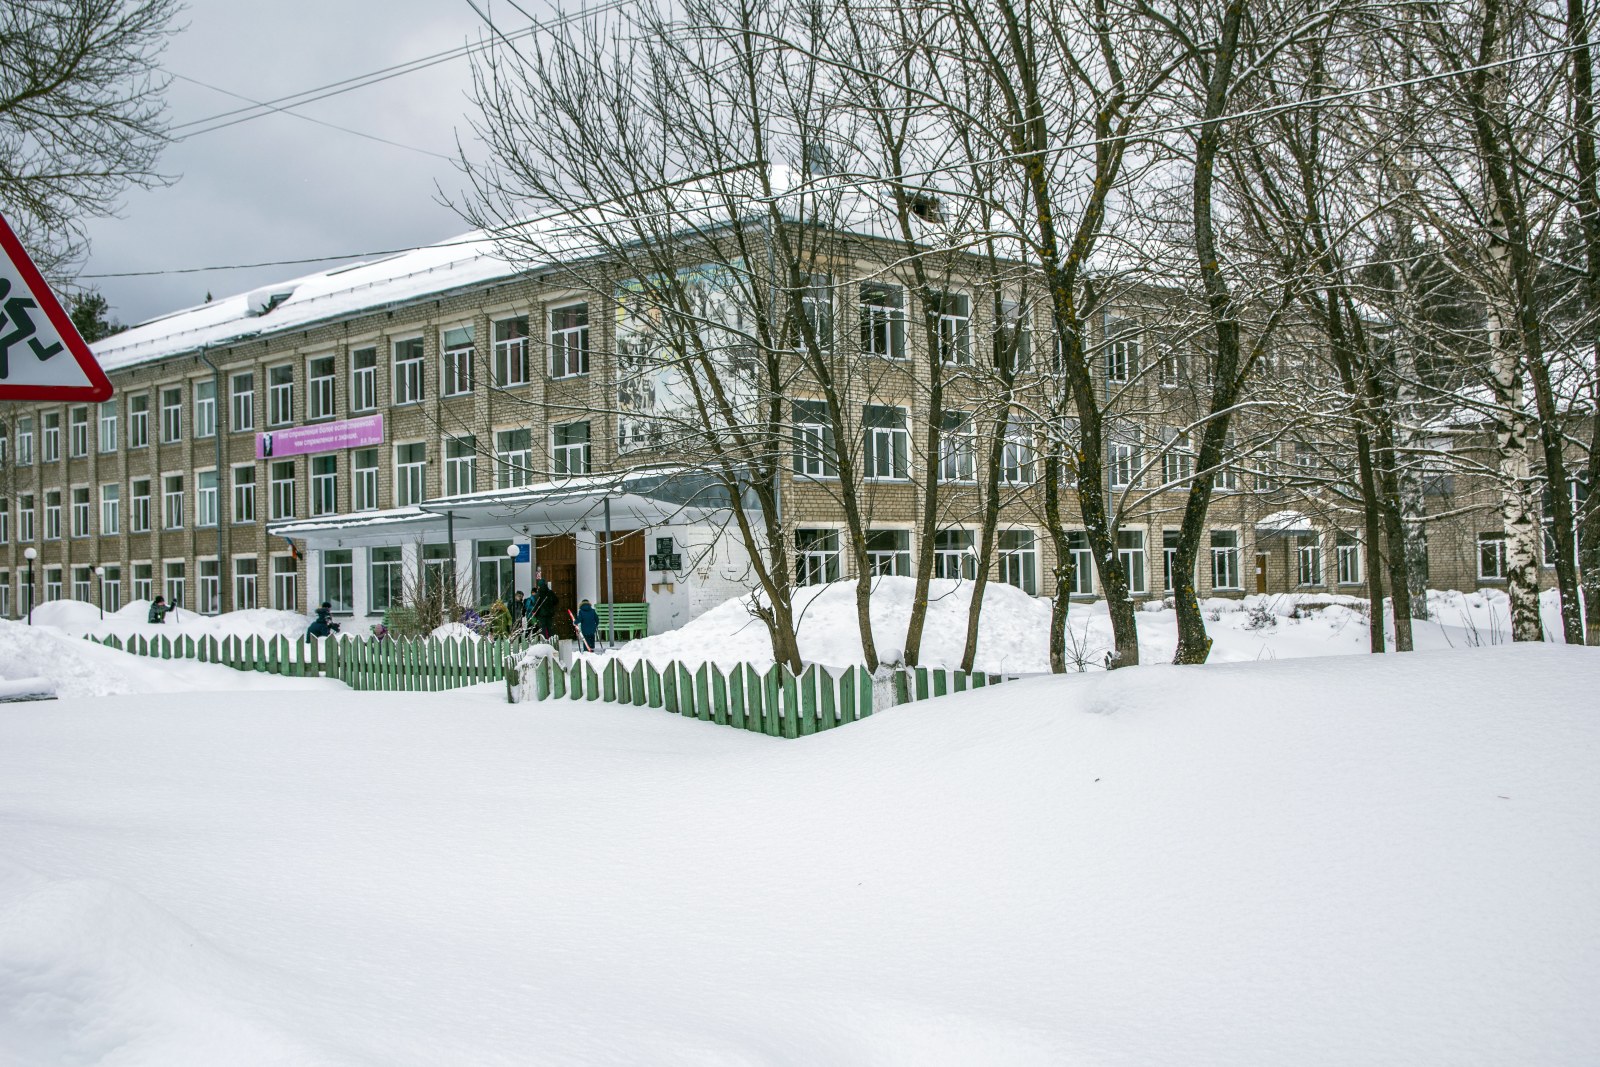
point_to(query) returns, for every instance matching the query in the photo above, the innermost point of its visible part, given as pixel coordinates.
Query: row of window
(106, 589)
(818, 558)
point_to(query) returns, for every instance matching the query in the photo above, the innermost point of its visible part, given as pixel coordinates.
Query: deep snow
(1352, 860)
(78, 618)
(1014, 632)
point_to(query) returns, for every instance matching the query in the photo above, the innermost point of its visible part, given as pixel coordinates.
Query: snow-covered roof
(1284, 522)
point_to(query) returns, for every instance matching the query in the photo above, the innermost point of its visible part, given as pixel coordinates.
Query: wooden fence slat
(591, 681)
(806, 686)
(827, 692)
(719, 697)
(702, 693)
(736, 707)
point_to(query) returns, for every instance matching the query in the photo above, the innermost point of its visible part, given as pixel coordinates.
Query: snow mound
(79, 668)
(77, 618)
(454, 630)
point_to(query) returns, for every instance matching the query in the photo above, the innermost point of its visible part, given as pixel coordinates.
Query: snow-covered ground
(78, 668)
(1355, 860)
(78, 618)
(1014, 633)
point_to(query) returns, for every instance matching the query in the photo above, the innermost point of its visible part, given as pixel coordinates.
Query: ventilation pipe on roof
(260, 301)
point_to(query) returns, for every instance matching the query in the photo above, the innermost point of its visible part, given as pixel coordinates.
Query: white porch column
(588, 577)
(313, 579)
(467, 570)
(411, 564)
(361, 604)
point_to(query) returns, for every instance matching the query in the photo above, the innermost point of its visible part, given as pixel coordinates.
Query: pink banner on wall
(323, 437)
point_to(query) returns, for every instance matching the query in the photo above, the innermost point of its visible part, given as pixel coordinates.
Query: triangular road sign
(42, 357)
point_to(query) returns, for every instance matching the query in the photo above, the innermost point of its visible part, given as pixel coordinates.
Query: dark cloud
(279, 187)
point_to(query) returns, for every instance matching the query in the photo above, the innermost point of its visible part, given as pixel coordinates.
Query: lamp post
(512, 554)
(100, 573)
(30, 554)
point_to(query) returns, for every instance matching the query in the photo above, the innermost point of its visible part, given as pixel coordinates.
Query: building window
(52, 584)
(410, 474)
(108, 426)
(244, 402)
(814, 454)
(1124, 464)
(52, 515)
(460, 465)
(511, 351)
(281, 489)
(78, 431)
(25, 442)
(570, 448)
(495, 571)
(1082, 563)
(82, 508)
(958, 449)
(50, 446)
(83, 584)
(280, 395)
(244, 493)
(953, 326)
(1131, 554)
(1019, 560)
(888, 442)
(364, 465)
(139, 420)
(25, 524)
(140, 496)
(111, 589)
(364, 379)
(1013, 338)
(244, 583)
(816, 305)
(1347, 559)
(953, 556)
(210, 587)
(1491, 556)
(205, 409)
(1122, 355)
(1267, 477)
(172, 414)
(513, 458)
(5, 594)
(385, 579)
(1225, 559)
(324, 485)
(1171, 367)
(1169, 558)
(569, 341)
(889, 552)
(409, 387)
(456, 370)
(172, 501)
(5, 524)
(143, 581)
(438, 571)
(1226, 478)
(883, 320)
(175, 582)
(338, 580)
(319, 388)
(205, 498)
(1177, 460)
(816, 556)
(1309, 553)
(1016, 454)
(285, 583)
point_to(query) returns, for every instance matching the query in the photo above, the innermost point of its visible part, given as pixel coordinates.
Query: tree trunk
(1061, 598)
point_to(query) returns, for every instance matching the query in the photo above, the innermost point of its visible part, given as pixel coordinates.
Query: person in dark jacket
(588, 624)
(323, 625)
(544, 609)
(519, 611)
(158, 610)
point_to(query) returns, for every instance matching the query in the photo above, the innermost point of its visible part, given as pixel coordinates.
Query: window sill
(569, 377)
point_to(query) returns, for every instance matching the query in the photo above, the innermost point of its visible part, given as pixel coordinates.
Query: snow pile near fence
(78, 618)
(1360, 860)
(79, 668)
(1015, 630)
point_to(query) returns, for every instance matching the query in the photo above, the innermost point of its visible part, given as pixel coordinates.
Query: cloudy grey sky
(279, 187)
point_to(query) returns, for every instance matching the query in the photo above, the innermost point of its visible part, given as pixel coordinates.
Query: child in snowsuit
(588, 624)
(158, 610)
(323, 625)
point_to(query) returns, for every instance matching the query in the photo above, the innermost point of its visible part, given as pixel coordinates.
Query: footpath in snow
(1344, 860)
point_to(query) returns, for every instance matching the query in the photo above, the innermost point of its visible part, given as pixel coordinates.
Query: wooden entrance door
(557, 560)
(1261, 572)
(627, 561)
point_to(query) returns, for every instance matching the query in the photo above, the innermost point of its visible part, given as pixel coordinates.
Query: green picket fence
(423, 664)
(776, 702)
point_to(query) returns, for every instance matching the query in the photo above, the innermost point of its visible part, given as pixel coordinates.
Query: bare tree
(81, 114)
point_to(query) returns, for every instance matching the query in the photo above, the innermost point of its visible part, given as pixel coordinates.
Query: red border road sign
(98, 386)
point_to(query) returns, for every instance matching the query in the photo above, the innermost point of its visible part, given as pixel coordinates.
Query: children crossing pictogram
(42, 357)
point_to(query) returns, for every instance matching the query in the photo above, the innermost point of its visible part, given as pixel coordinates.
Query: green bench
(632, 620)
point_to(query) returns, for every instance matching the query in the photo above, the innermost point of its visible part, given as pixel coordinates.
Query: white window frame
(171, 399)
(110, 509)
(281, 491)
(244, 494)
(1133, 554)
(364, 481)
(883, 324)
(411, 476)
(457, 356)
(569, 343)
(322, 377)
(888, 448)
(510, 351)
(280, 396)
(460, 465)
(570, 458)
(364, 378)
(242, 401)
(1225, 568)
(172, 502)
(205, 408)
(513, 460)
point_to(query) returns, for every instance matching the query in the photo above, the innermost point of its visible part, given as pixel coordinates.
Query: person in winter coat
(323, 625)
(158, 610)
(519, 611)
(588, 624)
(544, 609)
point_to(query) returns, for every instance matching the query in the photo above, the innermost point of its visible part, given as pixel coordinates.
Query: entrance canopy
(637, 500)
(1283, 524)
